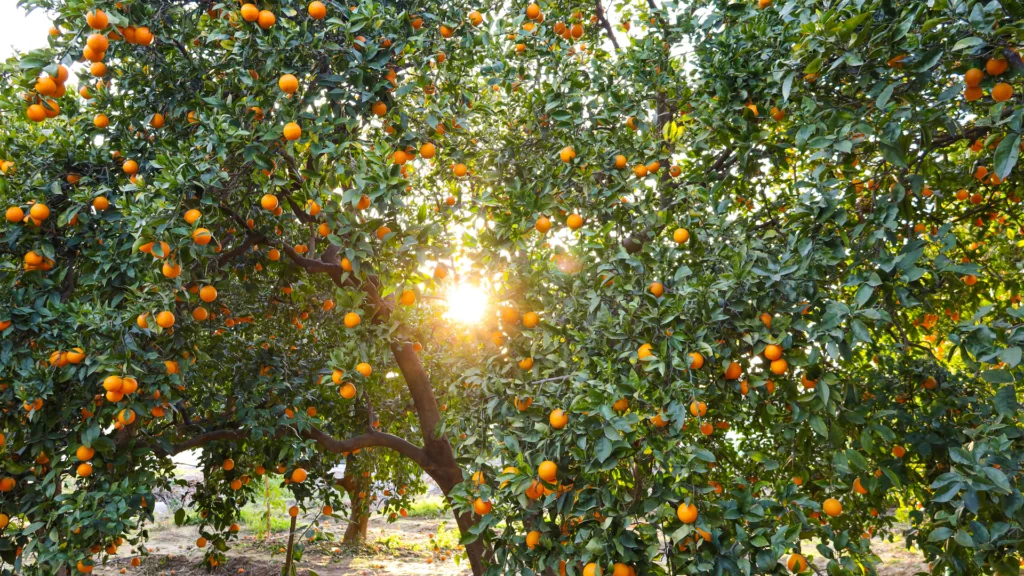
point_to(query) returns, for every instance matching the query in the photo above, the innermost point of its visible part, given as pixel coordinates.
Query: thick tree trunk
(359, 520)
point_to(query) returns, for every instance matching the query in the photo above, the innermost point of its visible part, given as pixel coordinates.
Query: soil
(402, 548)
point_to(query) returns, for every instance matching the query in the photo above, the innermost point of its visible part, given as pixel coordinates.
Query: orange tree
(750, 272)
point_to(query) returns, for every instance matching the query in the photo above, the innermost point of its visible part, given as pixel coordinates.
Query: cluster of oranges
(1001, 91)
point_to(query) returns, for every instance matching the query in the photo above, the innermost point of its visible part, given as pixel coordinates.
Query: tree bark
(358, 523)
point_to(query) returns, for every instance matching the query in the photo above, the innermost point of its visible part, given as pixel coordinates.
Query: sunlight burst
(466, 304)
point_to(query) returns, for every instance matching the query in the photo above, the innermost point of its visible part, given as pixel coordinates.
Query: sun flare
(466, 304)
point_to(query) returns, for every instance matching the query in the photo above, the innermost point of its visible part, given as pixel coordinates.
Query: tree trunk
(359, 519)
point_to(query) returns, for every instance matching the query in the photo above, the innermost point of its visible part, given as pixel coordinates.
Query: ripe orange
(208, 293)
(292, 131)
(165, 319)
(696, 360)
(531, 320)
(96, 20)
(532, 539)
(558, 419)
(352, 320)
(460, 170)
(364, 369)
(575, 221)
(779, 366)
(379, 108)
(428, 150)
(481, 507)
(130, 167)
(347, 391)
(99, 120)
(288, 83)
(687, 513)
(15, 214)
(533, 11)
(317, 10)
(200, 236)
(266, 19)
(796, 563)
(1002, 92)
(973, 77)
(733, 371)
(548, 471)
(250, 13)
(773, 352)
(269, 202)
(832, 507)
(681, 235)
(657, 289)
(299, 475)
(36, 113)
(996, 66)
(698, 409)
(475, 18)
(192, 215)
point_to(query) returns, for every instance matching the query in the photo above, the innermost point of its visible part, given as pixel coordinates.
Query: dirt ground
(400, 549)
(403, 548)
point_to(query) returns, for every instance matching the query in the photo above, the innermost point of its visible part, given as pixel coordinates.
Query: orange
(779, 366)
(299, 475)
(574, 221)
(832, 507)
(84, 469)
(15, 214)
(481, 507)
(288, 83)
(200, 314)
(317, 10)
(250, 13)
(898, 451)
(531, 320)
(143, 36)
(620, 162)
(99, 120)
(973, 77)
(687, 513)
(84, 453)
(200, 236)
(208, 293)
(796, 563)
(96, 20)
(364, 369)
(696, 360)
(567, 154)
(681, 235)
(773, 352)
(532, 539)
(428, 150)
(292, 131)
(644, 351)
(382, 232)
(807, 382)
(558, 419)
(698, 409)
(657, 289)
(973, 93)
(352, 320)
(347, 391)
(269, 202)
(533, 11)
(996, 66)
(266, 19)
(460, 170)
(621, 405)
(733, 371)
(548, 471)
(165, 319)
(192, 215)
(408, 298)
(526, 363)
(640, 170)
(1002, 92)
(39, 211)
(36, 113)
(592, 569)
(379, 108)
(475, 18)
(130, 167)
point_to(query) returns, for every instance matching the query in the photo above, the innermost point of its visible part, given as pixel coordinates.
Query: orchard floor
(402, 548)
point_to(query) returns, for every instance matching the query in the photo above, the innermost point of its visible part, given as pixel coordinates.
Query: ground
(402, 548)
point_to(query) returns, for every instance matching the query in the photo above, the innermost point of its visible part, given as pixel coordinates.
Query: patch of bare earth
(402, 548)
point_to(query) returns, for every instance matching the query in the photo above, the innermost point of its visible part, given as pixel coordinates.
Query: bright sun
(466, 303)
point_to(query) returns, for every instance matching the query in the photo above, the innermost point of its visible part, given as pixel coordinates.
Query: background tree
(749, 273)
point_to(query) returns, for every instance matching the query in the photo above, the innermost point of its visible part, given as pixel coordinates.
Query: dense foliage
(750, 271)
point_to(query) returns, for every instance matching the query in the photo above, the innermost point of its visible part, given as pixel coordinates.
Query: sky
(20, 30)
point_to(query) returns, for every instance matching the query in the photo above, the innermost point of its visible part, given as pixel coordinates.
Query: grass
(432, 507)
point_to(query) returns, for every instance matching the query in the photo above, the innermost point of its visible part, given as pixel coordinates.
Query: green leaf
(1010, 355)
(883, 98)
(997, 376)
(964, 539)
(939, 534)
(1006, 401)
(818, 425)
(1006, 155)
(969, 42)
